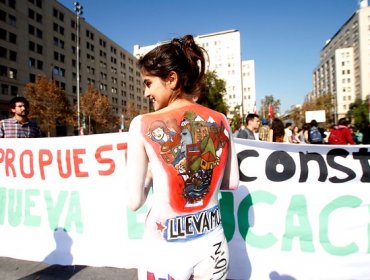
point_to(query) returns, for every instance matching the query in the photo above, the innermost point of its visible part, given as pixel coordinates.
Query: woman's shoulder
(189, 111)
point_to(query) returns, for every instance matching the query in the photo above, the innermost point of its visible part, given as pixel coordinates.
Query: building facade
(40, 37)
(224, 52)
(344, 69)
(249, 86)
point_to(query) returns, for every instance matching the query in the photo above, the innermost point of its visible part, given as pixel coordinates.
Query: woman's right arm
(138, 177)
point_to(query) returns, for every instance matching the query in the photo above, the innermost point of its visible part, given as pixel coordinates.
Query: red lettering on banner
(77, 161)
(9, 158)
(68, 172)
(30, 164)
(109, 161)
(44, 161)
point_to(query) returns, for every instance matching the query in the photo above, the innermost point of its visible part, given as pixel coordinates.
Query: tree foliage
(236, 119)
(96, 109)
(265, 103)
(359, 113)
(323, 102)
(297, 116)
(213, 94)
(49, 105)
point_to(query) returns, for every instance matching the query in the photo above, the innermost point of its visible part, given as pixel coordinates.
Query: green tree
(359, 112)
(213, 94)
(96, 109)
(265, 103)
(49, 105)
(236, 119)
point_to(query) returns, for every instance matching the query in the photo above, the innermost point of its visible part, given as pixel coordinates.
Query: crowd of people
(275, 130)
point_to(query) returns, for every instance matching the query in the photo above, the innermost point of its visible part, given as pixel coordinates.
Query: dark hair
(343, 121)
(277, 127)
(306, 126)
(313, 123)
(288, 124)
(17, 99)
(182, 56)
(250, 117)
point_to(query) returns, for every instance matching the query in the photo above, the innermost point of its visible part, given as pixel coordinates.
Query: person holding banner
(185, 152)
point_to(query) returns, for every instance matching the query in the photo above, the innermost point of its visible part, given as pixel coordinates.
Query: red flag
(271, 111)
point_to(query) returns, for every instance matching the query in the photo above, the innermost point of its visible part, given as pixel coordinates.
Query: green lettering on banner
(30, 220)
(266, 240)
(227, 214)
(340, 202)
(135, 228)
(298, 208)
(15, 202)
(2, 205)
(54, 211)
(74, 213)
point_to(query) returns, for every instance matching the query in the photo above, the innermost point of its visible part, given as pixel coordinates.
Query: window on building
(12, 20)
(31, 62)
(2, 15)
(4, 89)
(32, 78)
(12, 55)
(3, 71)
(12, 73)
(11, 3)
(3, 52)
(14, 91)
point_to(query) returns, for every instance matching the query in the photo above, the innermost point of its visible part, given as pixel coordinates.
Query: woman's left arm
(230, 180)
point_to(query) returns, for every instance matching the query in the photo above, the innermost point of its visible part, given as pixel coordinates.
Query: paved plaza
(13, 269)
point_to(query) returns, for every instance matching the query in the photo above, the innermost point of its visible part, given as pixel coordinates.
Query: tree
(96, 109)
(236, 118)
(213, 94)
(297, 116)
(49, 105)
(359, 112)
(130, 113)
(323, 102)
(265, 103)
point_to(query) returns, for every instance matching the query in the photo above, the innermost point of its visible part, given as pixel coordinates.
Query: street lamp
(79, 12)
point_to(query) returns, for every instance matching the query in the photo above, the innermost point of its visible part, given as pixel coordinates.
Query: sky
(283, 37)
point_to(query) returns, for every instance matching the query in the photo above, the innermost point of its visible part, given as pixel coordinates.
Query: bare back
(188, 149)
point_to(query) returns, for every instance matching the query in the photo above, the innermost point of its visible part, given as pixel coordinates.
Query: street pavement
(13, 269)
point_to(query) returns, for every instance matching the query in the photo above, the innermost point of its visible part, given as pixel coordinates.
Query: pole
(241, 84)
(78, 9)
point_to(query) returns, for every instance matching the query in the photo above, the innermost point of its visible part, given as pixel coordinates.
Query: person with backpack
(340, 134)
(315, 134)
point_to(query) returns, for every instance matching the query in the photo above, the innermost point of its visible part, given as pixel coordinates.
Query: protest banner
(301, 211)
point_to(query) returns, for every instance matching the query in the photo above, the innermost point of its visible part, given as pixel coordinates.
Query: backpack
(315, 136)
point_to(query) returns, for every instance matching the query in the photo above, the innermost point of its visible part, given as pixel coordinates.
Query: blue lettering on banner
(187, 227)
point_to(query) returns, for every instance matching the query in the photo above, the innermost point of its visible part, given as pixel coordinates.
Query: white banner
(301, 211)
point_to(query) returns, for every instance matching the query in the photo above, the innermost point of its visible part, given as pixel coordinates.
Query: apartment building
(224, 53)
(249, 85)
(344, 68)
(40, 37)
